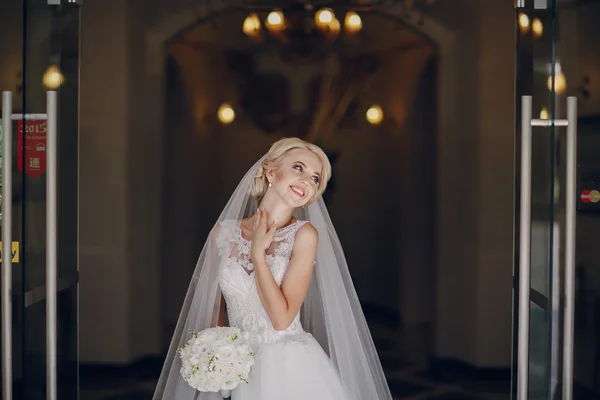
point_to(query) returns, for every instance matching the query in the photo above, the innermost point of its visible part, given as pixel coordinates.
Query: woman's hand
(261, 235)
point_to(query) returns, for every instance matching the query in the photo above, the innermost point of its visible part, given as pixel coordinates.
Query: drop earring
(270, 184)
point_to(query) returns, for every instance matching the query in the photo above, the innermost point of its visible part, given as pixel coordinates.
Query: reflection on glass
(53, 78)
(539, 359)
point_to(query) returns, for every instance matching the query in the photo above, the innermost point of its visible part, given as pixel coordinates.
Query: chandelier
(302, 28)
(308, 27)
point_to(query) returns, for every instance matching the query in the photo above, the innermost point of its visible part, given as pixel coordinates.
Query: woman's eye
(298, 167)
(315, 179)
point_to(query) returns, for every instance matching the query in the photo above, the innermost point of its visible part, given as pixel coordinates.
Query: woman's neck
(277, 211)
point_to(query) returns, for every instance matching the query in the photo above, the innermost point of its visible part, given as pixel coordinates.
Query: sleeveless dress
(289, 364)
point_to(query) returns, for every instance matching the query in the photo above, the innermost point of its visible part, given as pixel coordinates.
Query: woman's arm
(282, 304)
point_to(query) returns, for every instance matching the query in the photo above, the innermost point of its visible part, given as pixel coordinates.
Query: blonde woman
(274, 267)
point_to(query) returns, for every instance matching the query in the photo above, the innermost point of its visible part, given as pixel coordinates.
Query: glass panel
(51, 62)
(566, 48)
(577, 48)
(40, 52)
(539, 360)
(539, 75)
(35, 347)
(11, 79)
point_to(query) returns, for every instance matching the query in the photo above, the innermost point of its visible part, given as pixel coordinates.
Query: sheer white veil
(331, 311)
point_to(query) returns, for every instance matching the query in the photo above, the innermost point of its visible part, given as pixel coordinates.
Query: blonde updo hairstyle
(274, 159)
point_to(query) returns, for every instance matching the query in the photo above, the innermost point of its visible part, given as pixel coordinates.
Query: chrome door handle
(525, 244)
(51, 246)
(7, 372)
(524, 251)
(570, 235)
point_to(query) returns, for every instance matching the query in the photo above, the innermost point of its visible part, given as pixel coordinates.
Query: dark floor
(403, 353)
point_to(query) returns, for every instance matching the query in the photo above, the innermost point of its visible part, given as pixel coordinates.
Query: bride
(274, 267)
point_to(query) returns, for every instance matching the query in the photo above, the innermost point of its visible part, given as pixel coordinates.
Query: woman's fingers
(273, 228)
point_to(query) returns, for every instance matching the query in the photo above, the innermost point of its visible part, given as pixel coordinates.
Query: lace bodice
(238, 285)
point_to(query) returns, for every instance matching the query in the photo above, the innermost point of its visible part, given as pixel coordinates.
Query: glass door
(538, 231)
(557, 309)
(40, 140)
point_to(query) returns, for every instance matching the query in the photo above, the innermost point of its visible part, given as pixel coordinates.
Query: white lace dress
(289, 364)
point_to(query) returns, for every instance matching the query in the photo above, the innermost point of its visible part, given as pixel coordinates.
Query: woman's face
(297, 179)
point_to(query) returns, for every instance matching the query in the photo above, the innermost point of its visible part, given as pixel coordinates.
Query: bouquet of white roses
(216, 359)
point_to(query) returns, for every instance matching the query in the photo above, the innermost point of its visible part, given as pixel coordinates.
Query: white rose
(227, 351)
(230, 385)
(208, 337)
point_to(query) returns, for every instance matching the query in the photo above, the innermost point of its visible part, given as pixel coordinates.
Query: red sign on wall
(35, 147)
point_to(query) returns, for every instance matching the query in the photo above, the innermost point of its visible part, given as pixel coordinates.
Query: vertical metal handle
(571, 195)
(7, 376)
(524, 251)
(51, 247)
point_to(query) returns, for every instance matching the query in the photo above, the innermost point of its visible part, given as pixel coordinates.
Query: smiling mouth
(298, 191)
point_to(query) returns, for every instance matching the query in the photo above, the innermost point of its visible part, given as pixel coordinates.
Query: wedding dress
(289, 364)
(326, 353)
